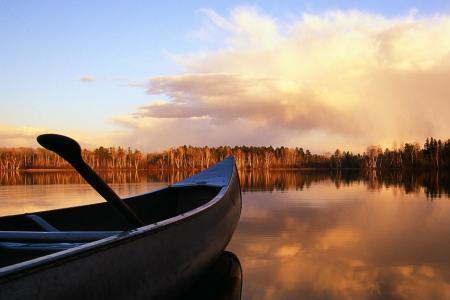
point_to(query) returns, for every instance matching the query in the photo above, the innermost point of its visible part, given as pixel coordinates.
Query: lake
(304, 234)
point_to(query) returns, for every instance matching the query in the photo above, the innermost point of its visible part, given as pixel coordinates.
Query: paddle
(70, 150)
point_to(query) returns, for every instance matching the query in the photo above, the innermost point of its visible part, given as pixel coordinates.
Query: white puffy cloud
(337, 79)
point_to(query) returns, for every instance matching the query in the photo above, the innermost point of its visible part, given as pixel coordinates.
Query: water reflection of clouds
(312, 235)
(384, 246)
(19, 199)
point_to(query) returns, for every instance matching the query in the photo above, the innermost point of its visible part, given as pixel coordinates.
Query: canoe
(88, 252)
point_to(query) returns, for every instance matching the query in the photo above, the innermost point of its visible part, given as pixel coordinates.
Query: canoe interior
(151, 208)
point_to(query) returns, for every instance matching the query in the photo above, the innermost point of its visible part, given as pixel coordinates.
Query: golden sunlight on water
(17, 199)
(305, 235)
(325, 243)
(37, 191)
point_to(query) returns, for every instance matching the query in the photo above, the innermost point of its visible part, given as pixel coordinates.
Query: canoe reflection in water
(223, 281)
(151, 246)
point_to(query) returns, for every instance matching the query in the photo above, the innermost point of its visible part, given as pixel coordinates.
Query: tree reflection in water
(434, 184)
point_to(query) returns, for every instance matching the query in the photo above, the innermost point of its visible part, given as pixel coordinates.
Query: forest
(434, 154)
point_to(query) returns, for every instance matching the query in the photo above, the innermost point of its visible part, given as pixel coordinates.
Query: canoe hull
(155, 263)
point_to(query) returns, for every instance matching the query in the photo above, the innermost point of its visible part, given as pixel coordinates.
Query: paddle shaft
(106, 192)
(70, 150)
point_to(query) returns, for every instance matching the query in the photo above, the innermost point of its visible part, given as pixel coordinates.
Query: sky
(154, 74)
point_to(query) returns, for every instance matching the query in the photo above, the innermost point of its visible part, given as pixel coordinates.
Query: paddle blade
(62, 145)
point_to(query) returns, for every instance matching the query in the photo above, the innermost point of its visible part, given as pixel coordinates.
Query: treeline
(100, 158)
(434, 154)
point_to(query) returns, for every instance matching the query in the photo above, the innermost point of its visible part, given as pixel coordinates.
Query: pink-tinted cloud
(224, 98)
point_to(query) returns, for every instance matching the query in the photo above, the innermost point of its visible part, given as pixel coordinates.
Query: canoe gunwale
(59, 258)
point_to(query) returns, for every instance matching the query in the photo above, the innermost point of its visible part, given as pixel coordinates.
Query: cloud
(161, 133)
(339, 78)
(224, 98)
(135, 84)
(25, 136)
(122, 81)
(87, 79)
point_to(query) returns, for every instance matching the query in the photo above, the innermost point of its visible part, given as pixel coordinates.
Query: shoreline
(198, 170)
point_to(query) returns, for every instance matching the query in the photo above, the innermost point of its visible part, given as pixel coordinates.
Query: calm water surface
(304, 235)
